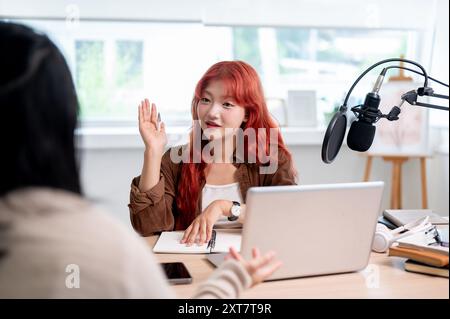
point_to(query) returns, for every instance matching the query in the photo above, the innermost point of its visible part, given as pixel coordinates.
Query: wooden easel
(401, 74)
(396, 175)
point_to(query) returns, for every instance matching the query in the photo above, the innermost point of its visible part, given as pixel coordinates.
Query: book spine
(425, 269)
(426, 259)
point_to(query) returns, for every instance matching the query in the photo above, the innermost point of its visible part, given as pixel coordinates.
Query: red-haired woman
(209, 185)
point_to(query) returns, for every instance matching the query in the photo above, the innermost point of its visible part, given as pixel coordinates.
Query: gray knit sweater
(57, 245)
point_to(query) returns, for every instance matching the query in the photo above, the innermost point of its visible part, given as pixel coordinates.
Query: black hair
(38, 113)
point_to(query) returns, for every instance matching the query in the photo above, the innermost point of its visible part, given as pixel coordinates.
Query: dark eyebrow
(207, 92)
(225, 97)
(229, 97)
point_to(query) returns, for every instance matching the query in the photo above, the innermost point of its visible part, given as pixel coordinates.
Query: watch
(235, 211)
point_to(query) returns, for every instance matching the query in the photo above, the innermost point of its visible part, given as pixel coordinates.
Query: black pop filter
(334, 136)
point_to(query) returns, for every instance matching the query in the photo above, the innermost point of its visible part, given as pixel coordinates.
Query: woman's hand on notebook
(259, 267)
(200, 230)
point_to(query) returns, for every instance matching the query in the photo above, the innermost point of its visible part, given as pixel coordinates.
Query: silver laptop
(314, 229)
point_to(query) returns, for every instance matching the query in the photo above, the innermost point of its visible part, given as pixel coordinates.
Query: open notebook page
(420, 241)
(169, 242)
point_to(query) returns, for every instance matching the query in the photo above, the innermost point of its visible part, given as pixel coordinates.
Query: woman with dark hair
(39, 113)
(197, 195)
(54, 243)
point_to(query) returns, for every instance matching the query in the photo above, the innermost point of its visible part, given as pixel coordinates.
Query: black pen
(212, 241)
(209, 242)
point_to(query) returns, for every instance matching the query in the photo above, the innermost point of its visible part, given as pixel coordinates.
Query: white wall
(439, 119)
(342, 13)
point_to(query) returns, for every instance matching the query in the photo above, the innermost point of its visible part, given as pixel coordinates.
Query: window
(92, 87)
(101, 93)
(324, 60)
(246, 47)
(129, 57)
(117, 64)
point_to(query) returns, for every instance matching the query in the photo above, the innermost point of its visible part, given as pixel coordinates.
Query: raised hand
(153, 133)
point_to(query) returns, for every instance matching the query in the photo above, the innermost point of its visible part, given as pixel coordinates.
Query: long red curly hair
(242, 82)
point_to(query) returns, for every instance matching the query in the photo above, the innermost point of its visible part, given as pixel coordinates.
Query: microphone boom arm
(424, 73)
(411, 98)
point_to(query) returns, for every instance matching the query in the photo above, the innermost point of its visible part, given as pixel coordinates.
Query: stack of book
(422, 255)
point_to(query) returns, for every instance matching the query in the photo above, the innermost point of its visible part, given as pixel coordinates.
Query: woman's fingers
(186, 234)
(146, 110)
(234, 254)
(260, 267)
(154, 115)
(269, 269)
(263, 260)
(194, 231)
(209, 228)
(256, 253)
(202, 234)
(256, 266)
(263, 267)
(149, 114)
(265, 272)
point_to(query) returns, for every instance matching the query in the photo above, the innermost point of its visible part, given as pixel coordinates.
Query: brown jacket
(155, 210)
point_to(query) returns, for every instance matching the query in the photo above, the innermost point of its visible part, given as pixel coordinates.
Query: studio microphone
(362, 130)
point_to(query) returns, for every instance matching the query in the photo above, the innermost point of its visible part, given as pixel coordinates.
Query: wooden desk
(383, 278)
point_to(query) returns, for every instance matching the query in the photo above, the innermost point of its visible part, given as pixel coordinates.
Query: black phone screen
(177, 273)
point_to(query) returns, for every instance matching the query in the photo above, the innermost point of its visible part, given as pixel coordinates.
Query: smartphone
(177, 273)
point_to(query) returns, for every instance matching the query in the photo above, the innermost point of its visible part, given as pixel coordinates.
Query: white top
(230, 192)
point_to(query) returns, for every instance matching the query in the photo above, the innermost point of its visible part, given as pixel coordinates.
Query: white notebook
(169, 242)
